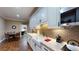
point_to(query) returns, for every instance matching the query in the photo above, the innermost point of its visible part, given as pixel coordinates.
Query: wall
(9, 26)
(2, 29)
(70, 33)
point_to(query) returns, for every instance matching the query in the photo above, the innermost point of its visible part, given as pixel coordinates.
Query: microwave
(70, 17)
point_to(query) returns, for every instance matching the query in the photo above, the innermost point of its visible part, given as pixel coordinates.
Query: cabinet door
(33, 45)
(40, 16)
(43, 15)
(44, 48)
(38, 48)
(34, 22)
(53, 17)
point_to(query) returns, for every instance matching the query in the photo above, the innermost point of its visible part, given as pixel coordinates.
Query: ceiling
(16, 13)
(21, 13)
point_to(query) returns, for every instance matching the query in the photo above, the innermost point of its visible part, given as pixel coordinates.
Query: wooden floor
(15, 45)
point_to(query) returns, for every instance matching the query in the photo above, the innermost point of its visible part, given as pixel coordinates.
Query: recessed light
(18, 15)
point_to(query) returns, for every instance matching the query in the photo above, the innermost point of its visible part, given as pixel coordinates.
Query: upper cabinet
(46, 15)
(39, 17)
(53, 17)
(43, 15)
(32, 23)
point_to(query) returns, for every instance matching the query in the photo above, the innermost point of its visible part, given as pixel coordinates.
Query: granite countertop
(52, 45)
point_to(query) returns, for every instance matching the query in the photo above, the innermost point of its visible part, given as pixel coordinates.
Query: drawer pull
(45, 49)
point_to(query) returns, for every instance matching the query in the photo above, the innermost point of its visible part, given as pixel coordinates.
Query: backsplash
(70, 33)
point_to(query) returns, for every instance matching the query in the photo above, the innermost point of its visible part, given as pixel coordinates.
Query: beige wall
(6, 26)
(9, 26)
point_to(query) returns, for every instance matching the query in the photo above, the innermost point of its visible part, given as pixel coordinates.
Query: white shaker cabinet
(48, 15)
(53, 17)
(33, 22)
(40, 16)
(43, 15)
(45, 48)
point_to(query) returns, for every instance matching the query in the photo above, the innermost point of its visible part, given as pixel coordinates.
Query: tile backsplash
(67, 33)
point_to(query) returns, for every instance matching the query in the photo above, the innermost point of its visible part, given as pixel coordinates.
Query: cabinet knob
(45, 49)
(58, 23)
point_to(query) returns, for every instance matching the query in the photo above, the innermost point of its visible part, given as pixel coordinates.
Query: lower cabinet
(32, 44)
(36, 47)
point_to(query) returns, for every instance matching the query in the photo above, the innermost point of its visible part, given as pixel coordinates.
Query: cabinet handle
(58, 23)
(45, 49)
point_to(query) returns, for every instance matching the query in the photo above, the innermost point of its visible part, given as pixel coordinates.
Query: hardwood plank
(15, 45)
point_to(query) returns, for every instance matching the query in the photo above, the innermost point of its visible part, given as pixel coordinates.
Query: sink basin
(73, 48)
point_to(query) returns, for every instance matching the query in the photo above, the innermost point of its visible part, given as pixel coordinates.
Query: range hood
(70, 17)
